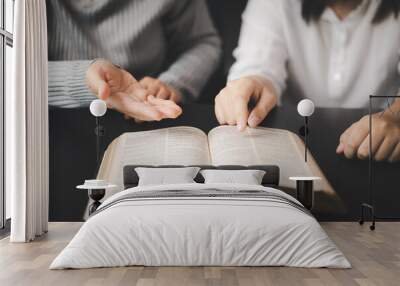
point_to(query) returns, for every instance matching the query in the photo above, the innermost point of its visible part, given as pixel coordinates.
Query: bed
(201, 224)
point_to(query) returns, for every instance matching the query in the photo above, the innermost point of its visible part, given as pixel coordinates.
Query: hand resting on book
(123, 92)
(231, 104)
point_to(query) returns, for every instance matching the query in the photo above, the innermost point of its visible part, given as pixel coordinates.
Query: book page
(267, 146)
(169, 146)
(263, 146)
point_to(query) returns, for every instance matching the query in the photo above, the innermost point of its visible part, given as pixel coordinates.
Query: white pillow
(248, 177)
(165, 176)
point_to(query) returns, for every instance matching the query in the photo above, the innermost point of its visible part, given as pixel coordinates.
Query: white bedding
(201, 231)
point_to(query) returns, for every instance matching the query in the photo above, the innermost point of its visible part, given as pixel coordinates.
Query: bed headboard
(271, 177)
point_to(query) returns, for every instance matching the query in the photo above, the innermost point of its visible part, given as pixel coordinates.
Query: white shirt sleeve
(262, 48)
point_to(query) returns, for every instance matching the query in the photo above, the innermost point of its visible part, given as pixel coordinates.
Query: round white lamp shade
(305, 107)
(98, 108)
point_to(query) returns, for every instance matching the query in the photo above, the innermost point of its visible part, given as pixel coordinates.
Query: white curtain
(27, 124)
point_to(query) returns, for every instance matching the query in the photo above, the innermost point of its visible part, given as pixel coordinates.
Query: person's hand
(121, 91)
(160, 90)
(231, 104)
(354, 142)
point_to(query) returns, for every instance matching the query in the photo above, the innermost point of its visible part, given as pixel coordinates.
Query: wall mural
(190, 83)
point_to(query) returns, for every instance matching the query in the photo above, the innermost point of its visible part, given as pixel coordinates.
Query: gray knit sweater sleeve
(194, 46)
(172, 39)
(67, 85)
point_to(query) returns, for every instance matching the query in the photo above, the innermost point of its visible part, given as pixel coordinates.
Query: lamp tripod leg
(362, 215)
(372, 211)
(372, 226)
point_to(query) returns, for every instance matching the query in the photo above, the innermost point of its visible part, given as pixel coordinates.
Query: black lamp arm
(305, 137)
(99, 131)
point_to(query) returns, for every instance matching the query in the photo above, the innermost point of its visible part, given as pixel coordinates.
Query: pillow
(248, 177)
(165, 176)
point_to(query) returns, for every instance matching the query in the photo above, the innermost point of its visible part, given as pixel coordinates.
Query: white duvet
(200, 231)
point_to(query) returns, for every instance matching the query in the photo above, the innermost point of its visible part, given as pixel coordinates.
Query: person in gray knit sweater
(140, 56)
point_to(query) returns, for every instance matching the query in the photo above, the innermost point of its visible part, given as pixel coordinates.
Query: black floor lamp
(98, 108)
(370, 204)
(97, 188)
(305, 184)
(305, 108)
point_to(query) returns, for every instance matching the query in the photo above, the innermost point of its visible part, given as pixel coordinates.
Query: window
(6, 44)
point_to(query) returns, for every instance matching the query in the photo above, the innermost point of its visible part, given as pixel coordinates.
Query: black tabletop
(73, 156)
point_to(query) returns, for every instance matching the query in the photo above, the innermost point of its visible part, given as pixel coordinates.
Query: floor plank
(375, 257)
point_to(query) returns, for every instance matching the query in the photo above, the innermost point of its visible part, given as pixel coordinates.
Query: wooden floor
(375, 257)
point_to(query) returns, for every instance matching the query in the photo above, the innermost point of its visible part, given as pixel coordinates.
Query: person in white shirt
(334, 52)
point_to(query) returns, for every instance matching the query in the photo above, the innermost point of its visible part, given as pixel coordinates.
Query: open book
(223, 145)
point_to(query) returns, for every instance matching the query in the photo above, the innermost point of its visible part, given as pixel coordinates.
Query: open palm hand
(122, 92)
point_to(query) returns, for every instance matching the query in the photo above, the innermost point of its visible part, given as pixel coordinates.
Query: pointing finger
(264, 105)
